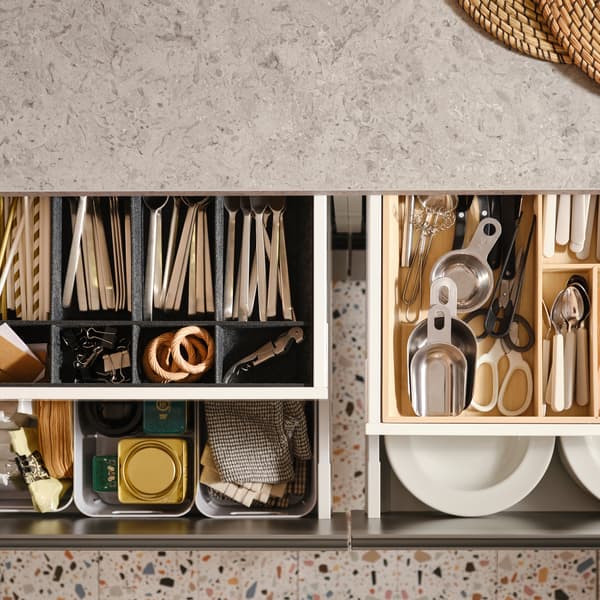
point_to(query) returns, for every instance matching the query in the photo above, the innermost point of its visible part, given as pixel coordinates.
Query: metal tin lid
(151, 469)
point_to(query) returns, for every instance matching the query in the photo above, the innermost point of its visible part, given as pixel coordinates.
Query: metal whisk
(433, 214)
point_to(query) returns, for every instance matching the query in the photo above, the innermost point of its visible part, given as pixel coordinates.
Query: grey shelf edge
(506, 530)
(73, 532)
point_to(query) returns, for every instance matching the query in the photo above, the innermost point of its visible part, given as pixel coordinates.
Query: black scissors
(502, 312)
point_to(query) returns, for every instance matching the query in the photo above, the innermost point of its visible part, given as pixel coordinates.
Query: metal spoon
(582, 392)
(546, 343)
(557, 374)
(572, 310)
(232, 206)
(154, 205)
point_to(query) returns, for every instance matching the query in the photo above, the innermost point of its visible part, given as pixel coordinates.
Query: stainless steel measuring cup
(438, 370)
(468, 267)
(462, 336)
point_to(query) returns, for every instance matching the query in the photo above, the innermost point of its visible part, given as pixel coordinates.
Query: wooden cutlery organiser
(233, 339)
(544, 277)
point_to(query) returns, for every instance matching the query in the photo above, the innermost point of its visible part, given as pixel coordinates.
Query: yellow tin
(152, 470)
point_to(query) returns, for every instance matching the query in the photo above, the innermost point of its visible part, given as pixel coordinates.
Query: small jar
(152, 470)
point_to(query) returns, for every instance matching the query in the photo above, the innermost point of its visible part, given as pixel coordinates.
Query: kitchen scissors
(501, 315)
(516, 364)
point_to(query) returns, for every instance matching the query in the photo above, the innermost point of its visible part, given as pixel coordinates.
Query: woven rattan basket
(576, 25)
(518, 24)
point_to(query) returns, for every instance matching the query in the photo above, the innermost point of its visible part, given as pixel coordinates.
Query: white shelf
(164, 392)
(484, 429)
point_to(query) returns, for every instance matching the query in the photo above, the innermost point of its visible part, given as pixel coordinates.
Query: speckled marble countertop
(365, 95)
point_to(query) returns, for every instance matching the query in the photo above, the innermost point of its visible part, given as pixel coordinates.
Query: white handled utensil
(570, 350)
(557, 374)
(589, 229)
(549, 224)
(580, 204)
(563, 220)
(582, 386)
(582, 393)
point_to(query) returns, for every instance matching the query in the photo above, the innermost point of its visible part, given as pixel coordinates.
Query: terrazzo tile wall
(367, 575)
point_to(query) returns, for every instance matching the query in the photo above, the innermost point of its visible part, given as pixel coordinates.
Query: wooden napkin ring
(197, 334)
(163, 361)
(157, 363)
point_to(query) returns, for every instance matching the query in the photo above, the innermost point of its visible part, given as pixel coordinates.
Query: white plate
(469, 476)
(581, 458)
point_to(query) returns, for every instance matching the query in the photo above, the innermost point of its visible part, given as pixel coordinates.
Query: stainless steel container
(438, 370)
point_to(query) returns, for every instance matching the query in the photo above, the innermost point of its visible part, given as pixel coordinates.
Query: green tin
(162, 417)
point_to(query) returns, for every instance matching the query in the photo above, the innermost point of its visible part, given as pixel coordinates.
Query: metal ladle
(572, 310)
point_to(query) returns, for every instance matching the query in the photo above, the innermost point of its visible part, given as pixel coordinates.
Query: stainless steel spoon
(154, 205)
(582, 389)
(572, 308)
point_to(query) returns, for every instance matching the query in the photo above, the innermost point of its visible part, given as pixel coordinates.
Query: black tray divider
(54, 360)
(293, 368)
(135, 356)
(137, 256)
(56, 285)
(219, 333)
(299, 234)
(147, 330)
(219, 244)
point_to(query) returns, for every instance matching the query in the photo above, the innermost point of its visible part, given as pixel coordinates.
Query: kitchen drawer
(389, 409)
(302, 374)
(557, 513)
(72, 531)
(119, 526)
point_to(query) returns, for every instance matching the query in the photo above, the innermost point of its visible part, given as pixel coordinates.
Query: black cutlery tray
(233, 339)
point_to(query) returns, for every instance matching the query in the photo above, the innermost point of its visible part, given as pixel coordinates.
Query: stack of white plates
(470, 476)
(581, 458)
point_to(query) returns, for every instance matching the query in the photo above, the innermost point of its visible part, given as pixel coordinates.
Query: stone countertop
(362, 95)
